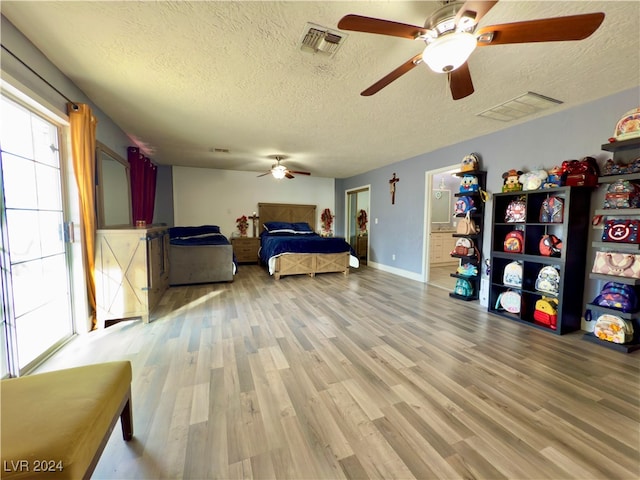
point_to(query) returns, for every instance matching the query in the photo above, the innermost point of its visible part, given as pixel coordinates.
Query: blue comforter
(274, 244)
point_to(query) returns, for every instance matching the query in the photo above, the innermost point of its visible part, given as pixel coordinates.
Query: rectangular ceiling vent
(318, 39)
(526, 104)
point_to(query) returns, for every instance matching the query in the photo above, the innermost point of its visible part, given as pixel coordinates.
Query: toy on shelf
(511, 183)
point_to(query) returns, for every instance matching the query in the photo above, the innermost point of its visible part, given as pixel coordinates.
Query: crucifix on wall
(392, 187)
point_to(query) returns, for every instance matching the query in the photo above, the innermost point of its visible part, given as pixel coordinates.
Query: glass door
(36, 310)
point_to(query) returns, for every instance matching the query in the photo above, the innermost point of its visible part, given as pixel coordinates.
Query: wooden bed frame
(300, 263)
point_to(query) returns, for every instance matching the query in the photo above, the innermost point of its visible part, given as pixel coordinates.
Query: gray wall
(569, 134)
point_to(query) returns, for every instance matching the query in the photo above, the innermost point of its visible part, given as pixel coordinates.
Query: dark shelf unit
(623, 152)
(572, 231)
(478, 218)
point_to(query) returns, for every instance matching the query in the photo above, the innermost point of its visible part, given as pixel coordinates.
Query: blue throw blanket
(203, 235)
(273, 244)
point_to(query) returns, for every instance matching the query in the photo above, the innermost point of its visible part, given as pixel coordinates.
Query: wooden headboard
(286, 212)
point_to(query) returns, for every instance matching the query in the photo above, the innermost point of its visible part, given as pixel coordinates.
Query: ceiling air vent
(318, 39)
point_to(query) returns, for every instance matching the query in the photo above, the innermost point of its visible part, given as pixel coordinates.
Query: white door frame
(429, 174)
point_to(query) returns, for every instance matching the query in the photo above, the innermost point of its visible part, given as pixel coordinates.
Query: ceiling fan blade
(460, 82)
(358, 23)
(476, 9)
(299, 173)
(266, 173)
(398, 72)
(558, 29)
(288, 175)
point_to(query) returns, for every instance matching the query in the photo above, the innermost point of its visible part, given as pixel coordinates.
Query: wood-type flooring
(365, 376)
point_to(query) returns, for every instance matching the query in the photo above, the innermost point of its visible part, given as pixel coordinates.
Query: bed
(199, 255)
(295, 249)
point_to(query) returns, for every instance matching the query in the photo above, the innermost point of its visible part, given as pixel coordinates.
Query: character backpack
(511, 301)
(463, 288)
(464, 246)
(512, 275)
(612, 328)
(622, 194)
(548, 280)
(514, 242)
(516, 211)
(546, 312)
(470, 163)
(552, 210)
(469, 183)
(618, 296)
(463, 205)
(621, 231)
(550, 246)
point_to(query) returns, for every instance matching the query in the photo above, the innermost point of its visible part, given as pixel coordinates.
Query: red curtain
(143, 185)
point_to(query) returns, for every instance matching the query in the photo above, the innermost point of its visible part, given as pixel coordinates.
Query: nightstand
(361, 247)
(246, 249)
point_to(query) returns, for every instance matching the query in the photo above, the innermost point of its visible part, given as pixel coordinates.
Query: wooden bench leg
(126, 420)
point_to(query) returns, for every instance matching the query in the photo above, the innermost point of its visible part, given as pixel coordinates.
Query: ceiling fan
(451, 37)
(280, 171)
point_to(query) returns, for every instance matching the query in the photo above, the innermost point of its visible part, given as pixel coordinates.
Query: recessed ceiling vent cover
(318, 39)
(526, 104)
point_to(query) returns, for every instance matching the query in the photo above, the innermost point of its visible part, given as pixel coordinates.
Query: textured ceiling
(188, 77)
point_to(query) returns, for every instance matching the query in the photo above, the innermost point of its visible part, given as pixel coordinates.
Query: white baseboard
(418, 277)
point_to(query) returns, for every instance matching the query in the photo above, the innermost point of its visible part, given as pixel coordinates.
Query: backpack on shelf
(548, 280)
(550, 246)
(580, 173)
(552, 210)
(463, 288)
(469, 183)
(464, 205)
(466, 226)
(510, 301)
(612, 328)
(465, 247)
(516, 211)
(514, 242)
(546, 312)
(512, 275)
(622, 194)
(470, 163)
(618, 296)
(468, 270)
(621, 231)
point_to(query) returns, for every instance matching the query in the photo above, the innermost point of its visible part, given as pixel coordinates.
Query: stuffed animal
(533, 180)
(511, 183)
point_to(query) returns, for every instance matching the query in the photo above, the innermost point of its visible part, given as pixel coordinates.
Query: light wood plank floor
(365, 376)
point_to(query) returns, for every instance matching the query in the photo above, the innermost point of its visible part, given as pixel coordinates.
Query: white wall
(204, 196)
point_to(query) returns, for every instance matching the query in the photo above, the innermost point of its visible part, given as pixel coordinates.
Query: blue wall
(544, 142)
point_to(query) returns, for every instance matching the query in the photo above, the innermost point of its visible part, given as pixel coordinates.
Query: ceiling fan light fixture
(279, 172)
(446, 53)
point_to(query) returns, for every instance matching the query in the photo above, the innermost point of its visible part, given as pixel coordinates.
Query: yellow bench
(56, 424)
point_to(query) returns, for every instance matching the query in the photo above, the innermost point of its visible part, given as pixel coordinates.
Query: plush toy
(554, 179)
(533, 180)
(511, 183)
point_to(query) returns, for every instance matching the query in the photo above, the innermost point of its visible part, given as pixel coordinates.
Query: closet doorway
(441, 187)
(357, 217)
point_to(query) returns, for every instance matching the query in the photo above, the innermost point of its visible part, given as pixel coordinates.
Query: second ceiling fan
(451, 37)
